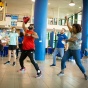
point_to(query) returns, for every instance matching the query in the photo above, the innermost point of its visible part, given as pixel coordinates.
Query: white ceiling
(24, 7)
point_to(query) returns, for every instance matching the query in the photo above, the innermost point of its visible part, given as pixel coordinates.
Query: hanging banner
(8, 21)
(14, 19)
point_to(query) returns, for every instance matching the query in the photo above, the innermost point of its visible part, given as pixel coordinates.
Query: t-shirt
(20, 39)
(60, 38)
(76, 44)
(13, 38)
(3, 34)
(28, 41)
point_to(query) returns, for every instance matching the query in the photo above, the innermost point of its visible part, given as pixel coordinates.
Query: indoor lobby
(48, 18)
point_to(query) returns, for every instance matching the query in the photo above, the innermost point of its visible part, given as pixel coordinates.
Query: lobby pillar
(40, 23)
(85, 27)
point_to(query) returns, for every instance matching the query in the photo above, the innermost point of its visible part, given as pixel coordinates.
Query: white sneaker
(39, 74)
(22, 70)
(60, 74)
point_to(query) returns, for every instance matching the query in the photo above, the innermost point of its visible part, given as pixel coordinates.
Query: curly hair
(78, 27)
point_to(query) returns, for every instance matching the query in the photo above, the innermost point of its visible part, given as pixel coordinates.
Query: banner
(14, 20)
(8, 21)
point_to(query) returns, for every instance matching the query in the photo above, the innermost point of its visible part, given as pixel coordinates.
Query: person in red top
(28, 48)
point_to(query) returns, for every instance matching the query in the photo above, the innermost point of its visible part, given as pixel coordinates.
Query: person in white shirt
(13, 44)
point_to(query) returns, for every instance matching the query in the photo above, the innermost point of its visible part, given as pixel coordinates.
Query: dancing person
(74, 48)
(60, 46)
(28, 48)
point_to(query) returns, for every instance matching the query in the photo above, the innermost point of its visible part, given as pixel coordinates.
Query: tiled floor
(73, 78)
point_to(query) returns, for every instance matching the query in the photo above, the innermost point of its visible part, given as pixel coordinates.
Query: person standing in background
(13, 45)
(20, 42)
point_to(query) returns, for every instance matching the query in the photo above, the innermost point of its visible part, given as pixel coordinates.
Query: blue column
(85, 26)
(40, 23)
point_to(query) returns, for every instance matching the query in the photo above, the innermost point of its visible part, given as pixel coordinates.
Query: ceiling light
(72, 3)
(1, 5)
(33, 0)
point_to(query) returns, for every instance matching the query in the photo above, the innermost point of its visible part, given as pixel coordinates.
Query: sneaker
(39, 74)
(14, 64)
(86, 77)
(22, 70)
(8, 62)
(53, 65)
(60, 74)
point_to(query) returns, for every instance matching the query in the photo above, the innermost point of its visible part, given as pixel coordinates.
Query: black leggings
(30, 54)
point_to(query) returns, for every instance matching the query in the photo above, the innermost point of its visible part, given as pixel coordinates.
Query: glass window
(79, 17)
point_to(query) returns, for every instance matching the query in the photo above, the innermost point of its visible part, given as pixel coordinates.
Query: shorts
(12, 47)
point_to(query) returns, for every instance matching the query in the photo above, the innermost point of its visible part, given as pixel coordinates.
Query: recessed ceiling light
(33, 0)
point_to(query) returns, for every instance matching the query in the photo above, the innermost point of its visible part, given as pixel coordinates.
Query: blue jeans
(56, 51)
(76, 55)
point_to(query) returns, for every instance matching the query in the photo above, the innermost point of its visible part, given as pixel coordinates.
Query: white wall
(19, 25)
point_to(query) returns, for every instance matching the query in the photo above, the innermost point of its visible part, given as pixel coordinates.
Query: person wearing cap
(28, 48)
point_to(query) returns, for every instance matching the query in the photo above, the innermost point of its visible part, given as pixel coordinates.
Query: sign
(8, 21)
(14, 20)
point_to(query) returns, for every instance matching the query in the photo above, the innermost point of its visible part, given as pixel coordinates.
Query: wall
(19, 25)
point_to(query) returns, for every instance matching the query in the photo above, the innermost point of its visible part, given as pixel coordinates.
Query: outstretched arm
(72, 39)
(68, 24)
(23, 26)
